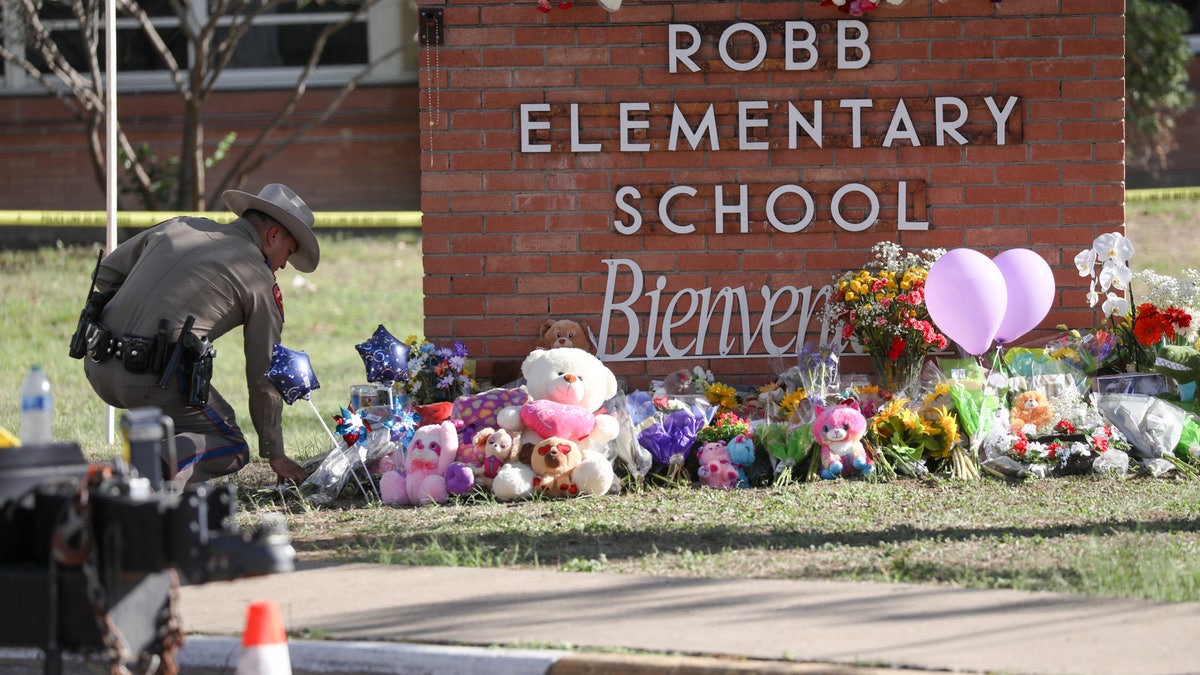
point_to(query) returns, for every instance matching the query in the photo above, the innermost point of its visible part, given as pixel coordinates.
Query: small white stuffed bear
(567, 386)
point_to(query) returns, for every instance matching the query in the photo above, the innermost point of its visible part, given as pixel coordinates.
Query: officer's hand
(287, 470)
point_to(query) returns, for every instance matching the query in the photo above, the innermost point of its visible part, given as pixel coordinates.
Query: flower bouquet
(882, 307)
(815, 372)
(436, 376)
(906, 437)
(787, 446)
(722, 396)
(1078, 441)
(667, 428)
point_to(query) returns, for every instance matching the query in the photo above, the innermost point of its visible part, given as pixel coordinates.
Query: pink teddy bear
(716, 469)
(430, 473)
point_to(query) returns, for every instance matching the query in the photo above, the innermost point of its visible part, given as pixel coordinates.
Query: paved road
(829, 626)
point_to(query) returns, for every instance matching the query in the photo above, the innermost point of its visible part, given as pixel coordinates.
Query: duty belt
(138, 354)
(191, 354)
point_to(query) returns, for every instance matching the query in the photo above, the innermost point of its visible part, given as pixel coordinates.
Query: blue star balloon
(292, 374)
(385, 357)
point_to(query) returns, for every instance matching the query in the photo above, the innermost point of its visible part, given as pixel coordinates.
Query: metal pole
(110, 113)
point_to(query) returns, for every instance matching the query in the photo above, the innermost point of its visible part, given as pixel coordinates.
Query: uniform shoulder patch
(279, 301)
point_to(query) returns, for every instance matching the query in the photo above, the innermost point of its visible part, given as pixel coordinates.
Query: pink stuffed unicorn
(839, 430)
(430, 474)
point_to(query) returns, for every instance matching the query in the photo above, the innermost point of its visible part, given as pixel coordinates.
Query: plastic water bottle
(37, 408)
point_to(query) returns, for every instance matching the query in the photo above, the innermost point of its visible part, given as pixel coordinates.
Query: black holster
(193, 355)
(197, 369)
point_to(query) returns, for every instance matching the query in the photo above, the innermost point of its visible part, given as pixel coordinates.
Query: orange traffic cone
(264, 645)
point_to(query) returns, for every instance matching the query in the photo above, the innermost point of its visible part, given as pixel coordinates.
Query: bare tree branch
(243, 165)
(58, 92)
(159, 44)
(241, 24)
(58, 64)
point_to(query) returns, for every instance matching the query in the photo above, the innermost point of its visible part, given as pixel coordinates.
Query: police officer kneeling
(164, 296)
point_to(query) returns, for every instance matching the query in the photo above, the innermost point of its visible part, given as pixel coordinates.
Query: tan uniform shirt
(215, 272)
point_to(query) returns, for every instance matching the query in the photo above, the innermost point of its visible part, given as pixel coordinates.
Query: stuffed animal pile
(716, 469)
(567, 387)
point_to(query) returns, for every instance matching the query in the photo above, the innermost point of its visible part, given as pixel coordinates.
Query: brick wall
(513, 237)
(363, 158)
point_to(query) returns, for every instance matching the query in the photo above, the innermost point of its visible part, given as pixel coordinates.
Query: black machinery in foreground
(92, 555)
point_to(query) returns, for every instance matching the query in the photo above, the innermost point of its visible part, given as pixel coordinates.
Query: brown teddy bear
(557, 333)
(1030, 407)
(553, 460)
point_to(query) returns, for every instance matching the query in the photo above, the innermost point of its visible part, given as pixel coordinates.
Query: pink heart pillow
(547, 418)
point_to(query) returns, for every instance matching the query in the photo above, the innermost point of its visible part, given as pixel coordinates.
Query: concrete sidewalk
(863, 625)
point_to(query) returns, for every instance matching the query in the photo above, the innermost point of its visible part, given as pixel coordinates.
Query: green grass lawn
(1134, 537)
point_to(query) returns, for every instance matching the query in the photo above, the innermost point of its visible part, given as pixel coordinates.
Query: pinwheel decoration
(292, 374)
(385, 357)
(402, 425)
(351, 426)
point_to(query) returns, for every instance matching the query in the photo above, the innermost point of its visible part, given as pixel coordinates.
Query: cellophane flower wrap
(667, 427)
(435, 374)
(1069, 358)
(815, 372)
(882, 307)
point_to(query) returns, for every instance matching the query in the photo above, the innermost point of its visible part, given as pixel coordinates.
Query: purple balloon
(385, 357)
(966, 298)
(292, 374)
(1030, 284)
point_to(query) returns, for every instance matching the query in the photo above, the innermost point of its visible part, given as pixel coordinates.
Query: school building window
(271, 55)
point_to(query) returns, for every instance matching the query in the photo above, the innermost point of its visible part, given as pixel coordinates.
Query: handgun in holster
(198, 369)
(194, 354)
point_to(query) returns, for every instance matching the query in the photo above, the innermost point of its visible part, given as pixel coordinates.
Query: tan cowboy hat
(281, 203)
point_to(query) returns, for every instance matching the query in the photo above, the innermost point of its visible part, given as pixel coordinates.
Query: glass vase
(897, 375)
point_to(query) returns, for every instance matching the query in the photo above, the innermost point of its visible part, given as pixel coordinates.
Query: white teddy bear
(566, 387)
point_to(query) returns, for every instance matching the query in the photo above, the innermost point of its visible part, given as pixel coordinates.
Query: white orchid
(1115, 305)
(1085, 262)
(1112, 252)
(1113, 246)
(1115, 274)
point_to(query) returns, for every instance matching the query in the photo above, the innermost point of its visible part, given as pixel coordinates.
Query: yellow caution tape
(149, 218)
(402, 219)
(1176, 194)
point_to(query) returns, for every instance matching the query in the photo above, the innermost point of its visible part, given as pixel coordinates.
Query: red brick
(516, 57)
(1094, 173)
(1060, 193)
